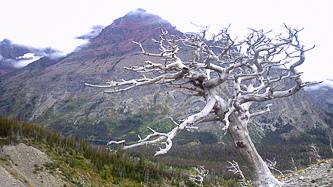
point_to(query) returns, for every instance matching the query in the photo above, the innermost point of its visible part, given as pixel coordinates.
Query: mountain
(14, 56)
(52, 93)
(323, 96)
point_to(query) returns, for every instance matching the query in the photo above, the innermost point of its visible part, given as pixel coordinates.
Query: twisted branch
(188, 122)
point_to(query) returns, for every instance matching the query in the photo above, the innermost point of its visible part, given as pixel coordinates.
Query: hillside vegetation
(75, 162)
(70, 161)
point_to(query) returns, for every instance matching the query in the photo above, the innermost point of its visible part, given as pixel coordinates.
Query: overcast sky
(56, 23)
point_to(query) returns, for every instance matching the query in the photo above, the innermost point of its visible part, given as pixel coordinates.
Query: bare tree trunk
(258, 170)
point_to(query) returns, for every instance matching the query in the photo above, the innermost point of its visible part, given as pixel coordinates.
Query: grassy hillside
(76, 162)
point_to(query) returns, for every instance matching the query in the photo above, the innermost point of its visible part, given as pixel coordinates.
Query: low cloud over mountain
(14, 56)
(95, 30)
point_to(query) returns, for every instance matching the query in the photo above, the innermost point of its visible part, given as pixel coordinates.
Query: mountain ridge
(56, 97)
(323, 95)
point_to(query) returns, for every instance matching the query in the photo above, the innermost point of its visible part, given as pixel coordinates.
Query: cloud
(138, 11)
(32, 55)
(26, 59)
(95, 30)
(26, 56)
(23, 63)
(325, 83)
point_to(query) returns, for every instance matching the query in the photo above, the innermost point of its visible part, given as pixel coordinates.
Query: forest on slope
(78, 160)
(79, 163)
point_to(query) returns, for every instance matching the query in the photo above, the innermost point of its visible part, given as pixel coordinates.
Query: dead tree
(272, 165)
(330, 139)
(254, 67)
(198, 179)
(234, 168)
(314, 153)
(293, 165)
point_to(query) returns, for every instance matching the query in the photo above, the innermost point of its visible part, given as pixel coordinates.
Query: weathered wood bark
(258, 170)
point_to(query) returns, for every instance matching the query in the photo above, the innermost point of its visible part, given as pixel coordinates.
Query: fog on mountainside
(16, 56)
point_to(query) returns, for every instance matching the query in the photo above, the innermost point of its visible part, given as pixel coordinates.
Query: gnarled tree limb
(188, 122)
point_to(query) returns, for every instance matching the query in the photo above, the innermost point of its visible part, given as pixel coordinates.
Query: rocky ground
(20, 168)
(7, 179)
(319, 175)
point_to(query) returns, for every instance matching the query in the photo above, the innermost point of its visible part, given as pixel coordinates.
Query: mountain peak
(139, 16)
(138, 11)
(136, 25)
(5, 42)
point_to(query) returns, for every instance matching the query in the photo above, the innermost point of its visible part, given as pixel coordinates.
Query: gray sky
(56, 23)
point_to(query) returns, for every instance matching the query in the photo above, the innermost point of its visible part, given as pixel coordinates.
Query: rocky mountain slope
(52, 92)
(323, 96)
(23, 162)
(320, 174)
